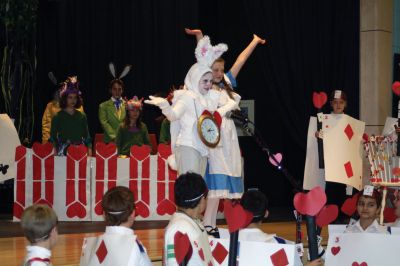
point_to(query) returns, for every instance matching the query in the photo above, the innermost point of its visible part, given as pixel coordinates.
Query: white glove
(157, 101)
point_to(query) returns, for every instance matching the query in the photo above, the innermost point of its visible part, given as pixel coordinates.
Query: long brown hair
(127, 120)
(225, 86)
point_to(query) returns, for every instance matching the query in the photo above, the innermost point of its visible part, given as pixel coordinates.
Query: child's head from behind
(119, 206)
(191, 191)
(39, 223)
(368, 207)
(255, 202)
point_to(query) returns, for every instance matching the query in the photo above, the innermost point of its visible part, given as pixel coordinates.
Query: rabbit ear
(206, 54)
(111, 67)
(125, 72)
(52, 78)
(219, 50)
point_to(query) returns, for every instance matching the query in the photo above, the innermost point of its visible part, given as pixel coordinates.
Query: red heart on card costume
(349, 206)
(42, 150)
(140, 152)
(319, 99)
(20, 152)
(359, 264)
(236, 217)
(76, 209)
(396, 88)
(327, 215)
(335, 250)
(182, 247)
(278, 158)
(164, 150)
(142, 209)
(77, 152)
(106, 150)
(310, 203)
(166, 207)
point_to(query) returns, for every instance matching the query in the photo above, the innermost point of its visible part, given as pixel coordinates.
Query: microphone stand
(310, 221)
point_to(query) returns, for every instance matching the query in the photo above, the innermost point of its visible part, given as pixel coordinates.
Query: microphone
(238, 116)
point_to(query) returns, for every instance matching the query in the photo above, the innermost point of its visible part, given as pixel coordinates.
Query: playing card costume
(190, 153)
(117, 246)
(37, 256)
(112, 112)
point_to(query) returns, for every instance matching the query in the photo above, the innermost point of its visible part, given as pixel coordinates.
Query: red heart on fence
(76, 209)
(396, 171)
(77, 152)
(20, 152)
(327, 215)
(166, 207)
(236, 217)
(396, 88)
(140, 152)
(98, 209)
(182, 247)
(359, 264)
(319, 99)
(18, 210)
(42, 150)
(349, 206)
(164, 150)
(310, 203)
(142, 209)
(335, 250)
(106, 150)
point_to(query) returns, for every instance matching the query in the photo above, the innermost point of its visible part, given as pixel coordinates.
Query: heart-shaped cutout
(106, 150)
(20, 152)
(319, 99)
(182, 247)
(140, 152)
(236, 217)
(396, 171)
(77, 152)
(349, 206)
(42, 150)
(278, 157)
(359, 264)
(164, 150)
(166, 207)
(142, 209)
(335, 250)
(327, 215)
(310, 203)
(396, 88)
(76, 209)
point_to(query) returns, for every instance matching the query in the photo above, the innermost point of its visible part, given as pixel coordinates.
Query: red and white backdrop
(74, 184)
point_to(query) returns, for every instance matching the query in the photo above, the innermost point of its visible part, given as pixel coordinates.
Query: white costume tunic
(224, 175)
(122, 248)
(373, 228)
(37, 256)
(201, 252)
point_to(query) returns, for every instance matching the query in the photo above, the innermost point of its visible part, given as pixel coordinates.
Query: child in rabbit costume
(189, 152)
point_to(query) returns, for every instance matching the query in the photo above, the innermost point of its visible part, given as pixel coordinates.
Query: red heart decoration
(236, 217)
(43, 201)
(140, 152)
(42, 150)
(278, 157)
(390, 215)
(396, 171)
(396, 88)
(365, 137)
(106, 150)
(18, 210)
(359, 264)
(77, 152)
(327, 215)
(166, 207)
(349, 206)
(217, 118)
(142, 209)
(319, 99)
(182, 247)
(310, 203)
(76, 209)
(20, 152)
(164, 150)
(98, 209)
(335, 250)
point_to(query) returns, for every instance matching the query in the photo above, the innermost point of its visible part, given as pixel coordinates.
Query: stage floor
(68, 249)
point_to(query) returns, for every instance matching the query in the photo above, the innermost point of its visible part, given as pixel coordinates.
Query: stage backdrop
(311, 46)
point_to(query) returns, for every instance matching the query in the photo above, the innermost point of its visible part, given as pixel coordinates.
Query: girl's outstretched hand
(193, 31)
(258, 39)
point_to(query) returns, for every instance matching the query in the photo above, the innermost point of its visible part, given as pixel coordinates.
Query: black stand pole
(233, 248)
(320, 147)
(312, 237)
